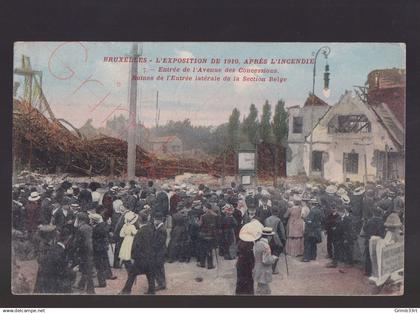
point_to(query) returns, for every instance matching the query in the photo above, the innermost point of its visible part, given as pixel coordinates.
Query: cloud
(184, 53)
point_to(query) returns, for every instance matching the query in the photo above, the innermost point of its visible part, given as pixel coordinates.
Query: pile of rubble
(49, 147)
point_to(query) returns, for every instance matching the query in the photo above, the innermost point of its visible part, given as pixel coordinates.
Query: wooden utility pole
(132, 119)
(157, 113)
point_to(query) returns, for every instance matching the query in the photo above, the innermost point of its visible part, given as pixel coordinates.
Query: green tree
(250, 124)
(280, 129)
(279, 124)
(233, 129)
(265, 123)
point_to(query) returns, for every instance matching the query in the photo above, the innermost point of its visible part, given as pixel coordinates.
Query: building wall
(296, 142)
(294, 166)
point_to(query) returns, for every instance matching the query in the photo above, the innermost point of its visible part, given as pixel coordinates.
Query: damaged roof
(315, 101)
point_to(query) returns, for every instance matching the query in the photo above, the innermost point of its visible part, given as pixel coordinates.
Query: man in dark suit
(368, 205)
(100, 247)
(207, 236)
(263, 208)
(279, 238)
(46, 208)
(343, 239)
(84, 246)
(59, 275)
(373, 227)
(159, 248)
(161, 205)
(143, 256)
(312, 233)
(107, 200)
(331, 219)
(85, 197)
(62, 215)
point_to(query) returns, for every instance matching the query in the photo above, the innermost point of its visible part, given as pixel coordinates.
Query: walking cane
(287, 267)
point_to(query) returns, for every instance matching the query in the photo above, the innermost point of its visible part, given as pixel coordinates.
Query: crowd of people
(72, 229)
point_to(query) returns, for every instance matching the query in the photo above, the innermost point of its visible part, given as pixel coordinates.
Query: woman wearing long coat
(178, 248)
(295, 228)
(244, 267)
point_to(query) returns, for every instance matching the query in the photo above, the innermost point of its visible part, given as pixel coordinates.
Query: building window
(351, 163)
(353, 124)
(297, 124)
(317, 161)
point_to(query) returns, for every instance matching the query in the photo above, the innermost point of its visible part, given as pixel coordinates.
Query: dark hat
(143, 217)
(83, 217)
(66, 201)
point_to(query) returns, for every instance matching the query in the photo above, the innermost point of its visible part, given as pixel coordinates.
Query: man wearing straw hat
(33, 214)
(330, 203)
(263, 272)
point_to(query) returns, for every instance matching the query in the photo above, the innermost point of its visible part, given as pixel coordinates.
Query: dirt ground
(312, 278)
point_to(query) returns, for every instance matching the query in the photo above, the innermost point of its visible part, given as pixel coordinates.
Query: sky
(79, 85)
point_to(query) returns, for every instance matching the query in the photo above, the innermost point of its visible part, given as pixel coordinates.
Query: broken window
(317, 161)
(351, 163)
(297, 124)
(355, 123)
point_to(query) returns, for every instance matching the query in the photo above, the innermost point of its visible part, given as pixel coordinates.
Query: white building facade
(351, 142)
(300, 127)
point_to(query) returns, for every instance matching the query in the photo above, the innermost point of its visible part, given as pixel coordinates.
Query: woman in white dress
(128, 231)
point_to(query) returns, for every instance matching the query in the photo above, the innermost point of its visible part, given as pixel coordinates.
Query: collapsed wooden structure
(46, 145)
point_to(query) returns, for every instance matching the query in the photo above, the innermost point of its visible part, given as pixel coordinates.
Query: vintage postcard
(181, 168)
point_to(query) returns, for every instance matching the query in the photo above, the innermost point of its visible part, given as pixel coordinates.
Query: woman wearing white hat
(128, 231)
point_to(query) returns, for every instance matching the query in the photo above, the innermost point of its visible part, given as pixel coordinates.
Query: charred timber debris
(47, 146)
